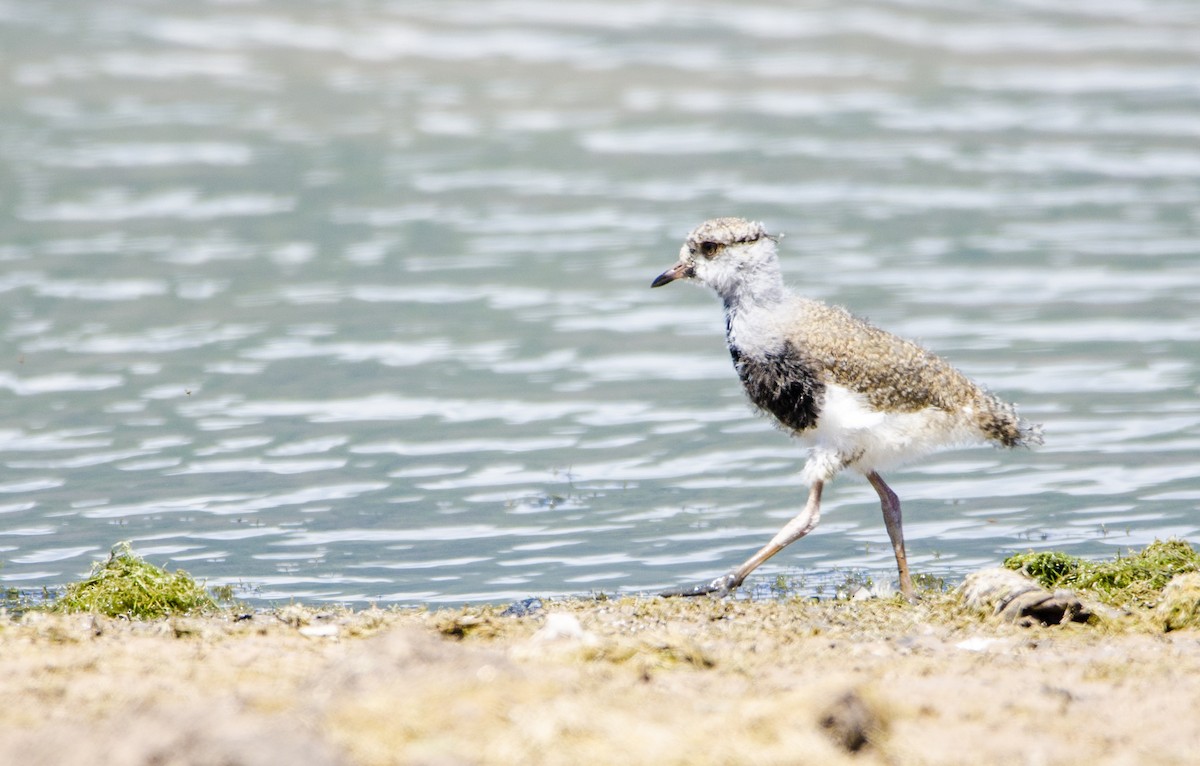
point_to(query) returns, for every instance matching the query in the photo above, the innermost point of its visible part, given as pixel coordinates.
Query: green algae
(1136, 579)
(126, 585)
(1180, 604)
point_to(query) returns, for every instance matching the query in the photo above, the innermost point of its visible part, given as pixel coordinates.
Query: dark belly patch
(783, 384)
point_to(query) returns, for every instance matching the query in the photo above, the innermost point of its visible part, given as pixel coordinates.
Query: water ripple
(352, 303)
(116, 204)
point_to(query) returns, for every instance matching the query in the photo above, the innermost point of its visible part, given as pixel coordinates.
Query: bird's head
(731, 255)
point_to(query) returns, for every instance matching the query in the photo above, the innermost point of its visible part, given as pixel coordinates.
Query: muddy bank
(625, 681)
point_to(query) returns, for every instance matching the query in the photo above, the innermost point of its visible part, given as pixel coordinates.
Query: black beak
(677, 271)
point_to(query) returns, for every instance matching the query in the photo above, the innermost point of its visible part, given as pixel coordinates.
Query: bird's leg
(891, 519)
(805, 522)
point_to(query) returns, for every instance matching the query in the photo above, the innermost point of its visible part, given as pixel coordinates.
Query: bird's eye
(709, 249)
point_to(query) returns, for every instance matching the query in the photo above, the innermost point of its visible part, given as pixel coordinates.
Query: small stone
(982, 644)
(851, 722)
(862, 594)
(523, 608)
(562, 626)
(1017, 598)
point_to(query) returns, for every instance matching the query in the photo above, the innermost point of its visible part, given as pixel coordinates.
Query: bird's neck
(759, 289)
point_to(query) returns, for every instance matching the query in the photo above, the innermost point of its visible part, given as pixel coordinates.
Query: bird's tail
(1000, 423)
(1029, 434)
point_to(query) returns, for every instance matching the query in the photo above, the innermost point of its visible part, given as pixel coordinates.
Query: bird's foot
(720, 587)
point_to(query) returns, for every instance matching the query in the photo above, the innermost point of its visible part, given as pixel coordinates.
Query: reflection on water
(351, 303)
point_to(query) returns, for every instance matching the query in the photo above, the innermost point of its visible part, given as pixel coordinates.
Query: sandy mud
(629, 681)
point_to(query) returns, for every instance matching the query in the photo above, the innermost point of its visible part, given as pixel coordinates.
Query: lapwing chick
(857, 396)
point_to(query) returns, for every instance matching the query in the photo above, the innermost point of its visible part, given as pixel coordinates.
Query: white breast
(850, 433)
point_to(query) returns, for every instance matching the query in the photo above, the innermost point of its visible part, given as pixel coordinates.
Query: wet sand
(625, 681)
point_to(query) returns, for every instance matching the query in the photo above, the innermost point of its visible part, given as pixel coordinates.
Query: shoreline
(623, 680)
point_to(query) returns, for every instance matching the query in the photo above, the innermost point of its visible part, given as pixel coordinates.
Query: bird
(859, 397)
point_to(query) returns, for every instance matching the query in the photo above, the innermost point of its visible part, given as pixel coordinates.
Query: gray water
(350, 301)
